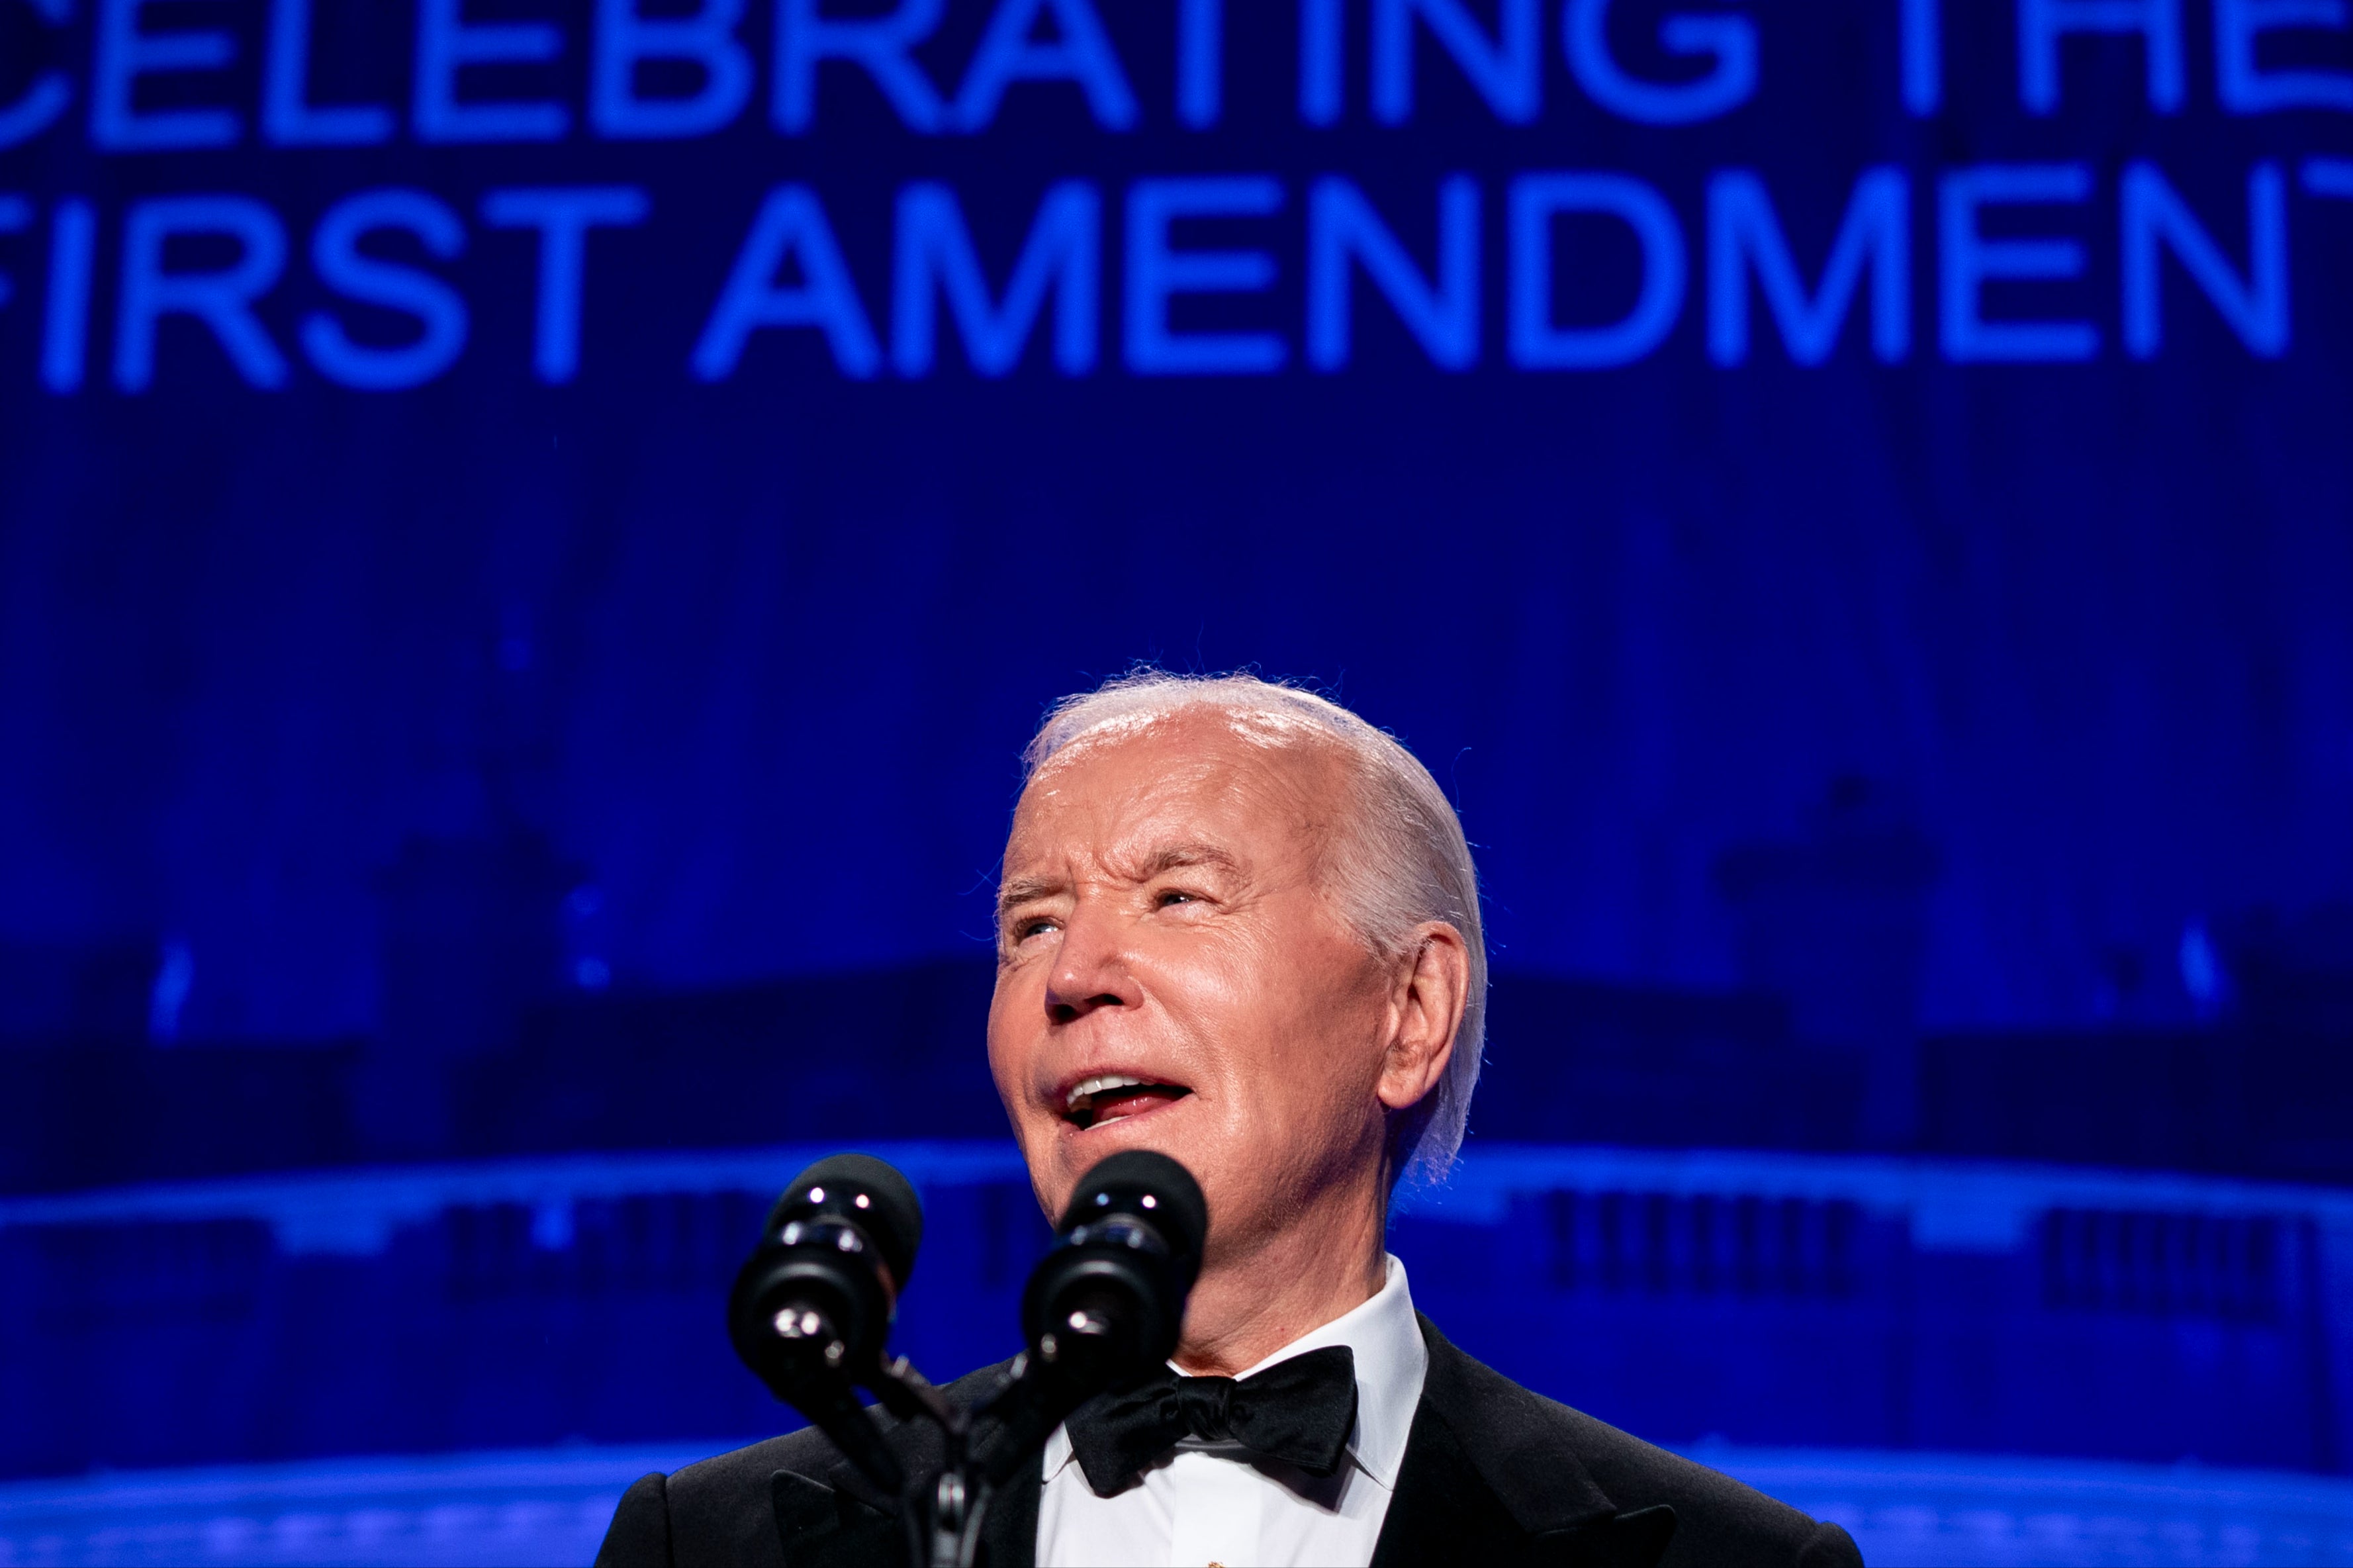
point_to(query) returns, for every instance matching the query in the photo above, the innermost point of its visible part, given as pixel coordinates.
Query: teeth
(1095, 1086)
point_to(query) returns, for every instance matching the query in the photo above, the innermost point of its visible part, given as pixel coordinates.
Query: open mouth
(1108, 1097)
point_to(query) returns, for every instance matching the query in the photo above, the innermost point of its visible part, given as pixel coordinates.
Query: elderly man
(1239, 926)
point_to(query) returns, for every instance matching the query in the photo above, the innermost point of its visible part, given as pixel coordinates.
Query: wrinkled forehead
(1205, 771)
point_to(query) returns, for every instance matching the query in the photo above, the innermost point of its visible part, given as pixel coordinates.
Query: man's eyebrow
(1172, 857)
(1025, 889)
(1177, 856)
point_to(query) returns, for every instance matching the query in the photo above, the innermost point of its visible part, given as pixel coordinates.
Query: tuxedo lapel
(1008, 1536)
(1636, 1540)
(820, 1527)
(1489, 1478)
(1443, 1511)
(839, 1519)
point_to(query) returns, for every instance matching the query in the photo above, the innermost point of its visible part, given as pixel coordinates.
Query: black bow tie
(1299, 1411)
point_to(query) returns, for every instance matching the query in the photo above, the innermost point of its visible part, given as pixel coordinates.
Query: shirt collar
(1384, 1337)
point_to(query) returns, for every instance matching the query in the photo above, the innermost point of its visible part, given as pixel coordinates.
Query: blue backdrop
(705, 435)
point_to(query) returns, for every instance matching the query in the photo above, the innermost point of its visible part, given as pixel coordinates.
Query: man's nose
(1090, 970)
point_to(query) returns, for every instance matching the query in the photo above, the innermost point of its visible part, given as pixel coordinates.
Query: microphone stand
(944, 1509)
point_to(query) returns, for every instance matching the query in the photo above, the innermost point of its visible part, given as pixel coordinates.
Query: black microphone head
(869, 1193)
(1152, 1186)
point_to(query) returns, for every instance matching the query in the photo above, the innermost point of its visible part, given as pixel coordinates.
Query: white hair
(1403, 862)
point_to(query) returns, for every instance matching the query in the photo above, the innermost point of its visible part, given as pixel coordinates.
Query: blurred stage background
(532, 534)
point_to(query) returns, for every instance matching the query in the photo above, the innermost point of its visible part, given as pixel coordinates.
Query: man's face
(1172, 976)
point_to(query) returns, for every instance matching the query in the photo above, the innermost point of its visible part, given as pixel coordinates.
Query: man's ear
(1428, 993)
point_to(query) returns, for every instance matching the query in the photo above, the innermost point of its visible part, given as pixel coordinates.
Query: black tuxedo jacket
(1493, 1474)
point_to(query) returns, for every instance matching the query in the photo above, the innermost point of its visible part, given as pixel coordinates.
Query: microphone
(1109, 1299)
(1105, 1306)
(813, 1304)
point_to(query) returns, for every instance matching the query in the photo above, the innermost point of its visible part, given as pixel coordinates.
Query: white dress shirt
(1213, 1503)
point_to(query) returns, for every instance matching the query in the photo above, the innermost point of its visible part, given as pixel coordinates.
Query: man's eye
(1029, 928)
(1171, 896)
